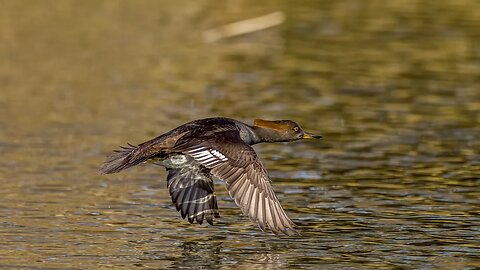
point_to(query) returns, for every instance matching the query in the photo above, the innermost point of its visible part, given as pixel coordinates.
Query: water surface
(392, 87)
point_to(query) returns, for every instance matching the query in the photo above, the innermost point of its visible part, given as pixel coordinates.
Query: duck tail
(124, 158)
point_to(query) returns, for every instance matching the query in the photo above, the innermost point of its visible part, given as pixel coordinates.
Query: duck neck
(254, 135)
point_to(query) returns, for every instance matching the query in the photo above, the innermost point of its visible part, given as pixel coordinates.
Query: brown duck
(197, 151)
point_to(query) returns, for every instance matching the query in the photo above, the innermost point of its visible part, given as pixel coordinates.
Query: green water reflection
(392, 86)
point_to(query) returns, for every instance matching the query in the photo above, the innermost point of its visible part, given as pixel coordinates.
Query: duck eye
(296, 129)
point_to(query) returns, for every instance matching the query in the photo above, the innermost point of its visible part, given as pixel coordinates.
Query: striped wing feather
(193, 194)
(247, 181)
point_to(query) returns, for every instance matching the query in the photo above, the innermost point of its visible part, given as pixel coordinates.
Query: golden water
(393, 86)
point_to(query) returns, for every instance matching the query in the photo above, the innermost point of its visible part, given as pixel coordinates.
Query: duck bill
(308, 135)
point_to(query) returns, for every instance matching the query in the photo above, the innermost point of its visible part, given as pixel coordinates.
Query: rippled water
(392, 87)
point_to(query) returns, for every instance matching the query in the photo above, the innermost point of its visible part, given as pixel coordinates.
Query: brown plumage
(197, 151)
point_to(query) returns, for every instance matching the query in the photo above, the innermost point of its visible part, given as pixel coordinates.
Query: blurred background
(393, 86)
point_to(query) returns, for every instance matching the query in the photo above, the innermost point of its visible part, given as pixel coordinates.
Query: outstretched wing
(193, 194)
(247, 181)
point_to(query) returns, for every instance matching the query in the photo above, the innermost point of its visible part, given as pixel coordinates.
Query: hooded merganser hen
(195, 152)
